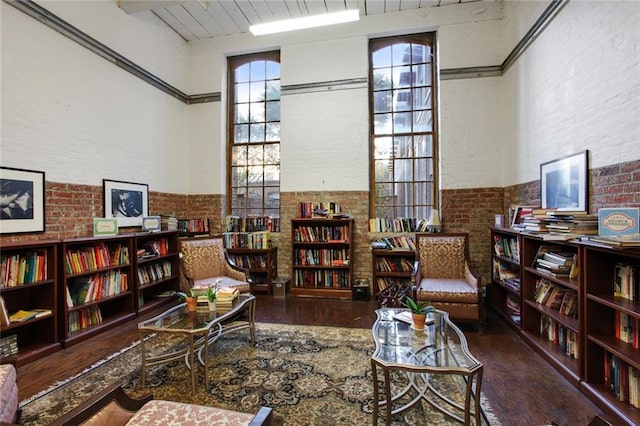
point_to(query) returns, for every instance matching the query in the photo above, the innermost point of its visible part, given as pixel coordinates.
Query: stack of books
(552, 261)
(169, 223)
(226, 296)
(9, 346)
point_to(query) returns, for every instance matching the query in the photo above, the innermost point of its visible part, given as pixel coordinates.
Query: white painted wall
(577, 87)
(80, 118)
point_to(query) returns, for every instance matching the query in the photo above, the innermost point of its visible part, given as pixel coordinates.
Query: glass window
(403, 131)
(254, 136)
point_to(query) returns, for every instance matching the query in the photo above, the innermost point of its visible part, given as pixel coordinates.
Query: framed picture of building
(22, 200)
(127, 202)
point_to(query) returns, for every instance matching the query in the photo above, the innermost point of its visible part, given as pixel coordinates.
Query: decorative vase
(192, 304)
(418, 320)
(212, 306)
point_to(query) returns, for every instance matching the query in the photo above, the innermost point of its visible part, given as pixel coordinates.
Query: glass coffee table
(200, 329)
(432, 365)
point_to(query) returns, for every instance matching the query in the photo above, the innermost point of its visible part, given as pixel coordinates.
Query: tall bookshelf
(322, 254)
(96, 289)
(261, 263)
(36, 337)
(157, 269)
(554, 335)
(612, 318)
(504, 292)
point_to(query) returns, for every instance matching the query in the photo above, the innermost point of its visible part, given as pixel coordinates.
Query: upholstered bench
(9, 412)
(113, 407)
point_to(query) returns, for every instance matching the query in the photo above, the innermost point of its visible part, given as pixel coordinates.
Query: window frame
(233, 62)
(374, 45)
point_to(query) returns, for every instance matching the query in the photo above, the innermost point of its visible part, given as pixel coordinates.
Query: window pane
(382, 124)
(422, 98)
(241, 133)
(422, 121)
(239, 198)
(255, 155)
(273, 71)
(239, 176)
(239, 156)
(242, 74)
(403, 147)
(272, 154)
(382, 57)
(273, 90)
(383, 170)
(423, 145)
(401, 77)
(402, 100)
(384, 193)
(257, 133)
(382, 101)
(241, 113)
(257, 91)
(420, 166)
(273, 111)
(383, 148)
(420, 53)
(382, 79)
(255, 176)
(402, 122)
(258, 70)
(401, 53)
(242, 93)
(422, 75)
(402, 171)
(257, 111)
(272, 175)
(273, 132)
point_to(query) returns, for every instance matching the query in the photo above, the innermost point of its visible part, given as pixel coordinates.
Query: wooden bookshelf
(322, 254)
(606, 347)
(36, 337)
(504, 294)
(106, 262)
(261, 263)
(391, 267)
(157, 269)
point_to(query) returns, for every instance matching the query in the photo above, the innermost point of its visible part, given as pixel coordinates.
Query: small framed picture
(21, 201)
(151, 223)
(128, 202)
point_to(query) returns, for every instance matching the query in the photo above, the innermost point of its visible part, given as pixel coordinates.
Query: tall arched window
(254, 135)
(403, 143)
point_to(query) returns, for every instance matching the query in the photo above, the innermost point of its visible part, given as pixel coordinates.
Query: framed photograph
(21, 201)
(127, 202)
(563, 183)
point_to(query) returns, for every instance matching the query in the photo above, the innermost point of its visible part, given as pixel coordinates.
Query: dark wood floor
(522, 388)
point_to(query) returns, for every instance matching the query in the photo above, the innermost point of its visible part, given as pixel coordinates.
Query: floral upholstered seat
(205, 260)
(443, 277)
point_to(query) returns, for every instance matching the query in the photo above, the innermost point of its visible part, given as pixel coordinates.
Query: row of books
(96, 287)
(83, 318)
(321, 234)
(506, 247)
(252, 224)
(321, 257)
(249, 260)
(8, 346)
(385, 282)
(625, 282)
(562, 300)
(513, 304)
(383, 224)
(322, 279)
(551, 220)
(154, 248)
(555, 261)
(193, 226)
(251, 240)
(318, 209)
(622, 379)
(95, 257)
(21, 268)
(627, 328)
(168, 222)
(154, 272)
(387, 264)
(618, 241)
(559, 335)
(395, 242)
(508, 275)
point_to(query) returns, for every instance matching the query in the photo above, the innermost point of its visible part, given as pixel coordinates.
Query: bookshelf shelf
(96, 288)
(322, 252)
(157, 271)
(36, 337)
(262, 265)
(504, 294)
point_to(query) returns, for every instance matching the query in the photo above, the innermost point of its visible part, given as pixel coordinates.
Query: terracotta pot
(192, 304)
(418, 320)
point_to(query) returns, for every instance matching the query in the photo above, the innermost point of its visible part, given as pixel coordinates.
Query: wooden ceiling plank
(174, 23)
(203, 17)
(187, 20)
(227, 22)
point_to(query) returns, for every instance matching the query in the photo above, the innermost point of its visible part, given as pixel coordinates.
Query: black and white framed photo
(564, 183)
(127, 202)
(21, 201)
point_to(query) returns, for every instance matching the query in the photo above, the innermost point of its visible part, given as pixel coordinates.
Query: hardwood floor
(522, 388)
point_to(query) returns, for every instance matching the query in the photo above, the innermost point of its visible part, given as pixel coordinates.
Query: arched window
(253, 159)
(403, 145)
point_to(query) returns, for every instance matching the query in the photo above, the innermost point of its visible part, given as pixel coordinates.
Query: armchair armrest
(472, 279)
(416, 275)
(187, 277)
(235, 271)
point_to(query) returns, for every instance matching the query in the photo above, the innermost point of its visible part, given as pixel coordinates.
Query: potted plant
(419, 311)
(191, 298)
(212, 295)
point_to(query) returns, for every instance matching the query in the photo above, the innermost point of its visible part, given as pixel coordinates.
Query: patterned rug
(308, 375)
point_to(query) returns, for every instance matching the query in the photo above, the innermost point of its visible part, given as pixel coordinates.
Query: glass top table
(435, 366)
(200, 329)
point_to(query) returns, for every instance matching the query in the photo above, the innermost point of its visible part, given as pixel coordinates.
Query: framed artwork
(21, 201)
(127, 202)
(563, 183)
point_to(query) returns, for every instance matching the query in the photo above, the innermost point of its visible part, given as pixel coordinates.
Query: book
(618, 221)
(22, 315)
(555, 298)
(622, 241)
(4, 315)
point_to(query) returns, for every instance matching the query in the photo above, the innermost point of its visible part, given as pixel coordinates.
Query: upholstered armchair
(441, 275)
(203, 261)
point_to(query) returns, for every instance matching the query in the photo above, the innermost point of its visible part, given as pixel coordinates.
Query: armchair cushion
(205, 259)
(8, 393)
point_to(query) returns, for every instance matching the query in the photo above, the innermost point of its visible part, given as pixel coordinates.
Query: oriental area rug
(308, 375)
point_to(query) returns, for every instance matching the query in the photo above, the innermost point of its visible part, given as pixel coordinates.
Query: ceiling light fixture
(305, 22)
